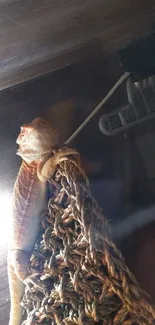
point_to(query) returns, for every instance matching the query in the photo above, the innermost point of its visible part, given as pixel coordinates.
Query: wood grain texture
(37, 36)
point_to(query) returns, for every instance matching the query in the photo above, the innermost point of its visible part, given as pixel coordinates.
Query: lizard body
(29, 200)
(36, 143)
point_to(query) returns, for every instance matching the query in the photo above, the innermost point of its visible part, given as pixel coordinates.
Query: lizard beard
(32, 155)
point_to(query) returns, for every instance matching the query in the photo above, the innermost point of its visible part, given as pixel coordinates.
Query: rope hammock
(77, 276)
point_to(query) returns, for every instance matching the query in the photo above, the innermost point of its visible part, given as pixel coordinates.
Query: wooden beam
(38, 37)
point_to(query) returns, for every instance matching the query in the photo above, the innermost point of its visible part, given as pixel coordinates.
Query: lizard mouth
(23, 139)
(34, 139)
(26, 129)
(21, 149)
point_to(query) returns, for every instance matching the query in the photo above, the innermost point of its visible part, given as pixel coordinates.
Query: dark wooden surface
(43, 35)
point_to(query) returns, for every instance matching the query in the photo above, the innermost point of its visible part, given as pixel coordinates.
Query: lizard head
(36, 140)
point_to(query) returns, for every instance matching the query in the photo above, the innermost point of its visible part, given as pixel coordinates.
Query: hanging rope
(77, 276)
(98, 107)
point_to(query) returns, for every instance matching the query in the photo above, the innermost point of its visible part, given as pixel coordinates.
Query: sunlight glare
(5, 215)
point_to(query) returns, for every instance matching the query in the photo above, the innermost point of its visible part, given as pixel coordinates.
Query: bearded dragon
(36, 141)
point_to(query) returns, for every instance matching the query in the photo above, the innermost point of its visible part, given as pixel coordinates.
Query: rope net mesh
(76, 273)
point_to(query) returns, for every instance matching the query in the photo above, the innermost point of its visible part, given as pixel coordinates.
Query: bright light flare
(5, 216)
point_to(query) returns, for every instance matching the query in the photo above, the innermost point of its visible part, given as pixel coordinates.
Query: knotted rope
(77, 274)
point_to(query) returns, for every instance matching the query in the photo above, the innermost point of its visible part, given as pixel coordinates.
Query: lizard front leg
(29, 200)
(46, 170)
(17, 269)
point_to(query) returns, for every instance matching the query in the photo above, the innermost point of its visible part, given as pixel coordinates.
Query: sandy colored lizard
(36, 143)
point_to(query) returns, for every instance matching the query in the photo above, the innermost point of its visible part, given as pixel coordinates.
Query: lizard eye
(23, 131)
(44, 122)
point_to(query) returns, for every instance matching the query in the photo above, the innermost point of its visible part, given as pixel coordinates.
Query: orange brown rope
(77, 274)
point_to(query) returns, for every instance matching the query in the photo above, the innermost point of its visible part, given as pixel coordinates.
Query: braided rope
(77, 274)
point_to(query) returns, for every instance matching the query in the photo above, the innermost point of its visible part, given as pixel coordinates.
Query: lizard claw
(27, 281)
(46, 171)
(36, 283)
